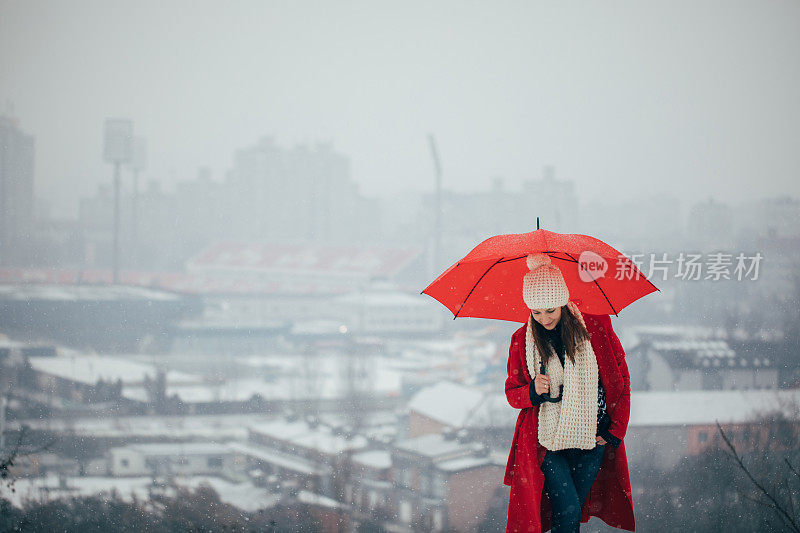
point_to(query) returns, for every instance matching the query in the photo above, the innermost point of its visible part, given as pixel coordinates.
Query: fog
(691, 99)
(250, 348)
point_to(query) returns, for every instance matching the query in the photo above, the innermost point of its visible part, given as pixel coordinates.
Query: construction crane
(437, 207)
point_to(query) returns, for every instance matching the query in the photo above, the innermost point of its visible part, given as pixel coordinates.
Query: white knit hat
(543, 287)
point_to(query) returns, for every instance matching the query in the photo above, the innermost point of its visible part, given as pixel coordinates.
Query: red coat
(610, 496)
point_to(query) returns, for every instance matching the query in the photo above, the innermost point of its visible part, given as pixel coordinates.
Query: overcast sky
(689, 98)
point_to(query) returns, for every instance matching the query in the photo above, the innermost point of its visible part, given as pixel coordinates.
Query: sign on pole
(118, 140)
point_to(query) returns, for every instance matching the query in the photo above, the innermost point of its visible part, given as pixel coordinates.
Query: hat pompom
(543, 286)
(536, 260)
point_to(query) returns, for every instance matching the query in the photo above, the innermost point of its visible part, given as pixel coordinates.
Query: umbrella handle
(546, 396)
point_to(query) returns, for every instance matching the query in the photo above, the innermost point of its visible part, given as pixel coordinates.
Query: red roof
(224, 268)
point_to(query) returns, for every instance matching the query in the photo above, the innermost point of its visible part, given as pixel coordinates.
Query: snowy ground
(245, 496)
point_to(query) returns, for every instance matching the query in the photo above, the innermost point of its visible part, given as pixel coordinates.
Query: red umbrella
(487, 282)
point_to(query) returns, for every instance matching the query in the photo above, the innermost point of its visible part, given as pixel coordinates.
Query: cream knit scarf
(572, 422)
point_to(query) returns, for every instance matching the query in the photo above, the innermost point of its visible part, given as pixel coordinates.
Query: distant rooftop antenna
(437, 228)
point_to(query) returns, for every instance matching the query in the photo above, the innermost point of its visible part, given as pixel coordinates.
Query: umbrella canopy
(487, 282)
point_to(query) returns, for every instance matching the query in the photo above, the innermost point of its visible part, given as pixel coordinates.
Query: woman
(567, 374)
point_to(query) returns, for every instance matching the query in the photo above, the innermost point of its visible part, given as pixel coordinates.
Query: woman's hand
(600, 440)
(541, 383)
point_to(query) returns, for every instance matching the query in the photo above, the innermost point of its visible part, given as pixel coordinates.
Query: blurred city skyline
(693, 101)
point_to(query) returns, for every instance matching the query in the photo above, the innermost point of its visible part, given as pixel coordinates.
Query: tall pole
(137, 164)
(117, 150)
(116, 223)
(437, 223)
(3, 402)
(135, 221)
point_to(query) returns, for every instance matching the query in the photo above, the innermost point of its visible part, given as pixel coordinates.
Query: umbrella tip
(537, 222)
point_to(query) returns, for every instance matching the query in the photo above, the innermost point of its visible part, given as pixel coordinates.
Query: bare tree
(18, 451)
(780, 493)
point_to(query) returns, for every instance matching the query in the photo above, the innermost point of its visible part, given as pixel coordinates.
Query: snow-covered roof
(378, 459)
(447, 402)
(462, 406)
(289, 462)
(210, 427)
(320, 438)
(284, 373)
(76, 293)
(672, 331)
(245, 496)
(435, 446)
(465, 463)
(385, 418)
(700, 348)
(312, 498)
(318, 327)
(48, 487)
(177, 449)
(323, 441)
(89, 369)
(672, 408)
(281, 429)
(493, 411)
(229, 391)
(5, 342)
(233, 323)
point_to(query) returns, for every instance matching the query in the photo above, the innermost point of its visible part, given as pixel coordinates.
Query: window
(403, 476)
(405, 511)
(702, 436)
(423, 482)
(439, 485)
(438, 520)
(125, 463)
(215, 462)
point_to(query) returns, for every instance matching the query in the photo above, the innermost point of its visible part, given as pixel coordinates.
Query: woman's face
(547, 317)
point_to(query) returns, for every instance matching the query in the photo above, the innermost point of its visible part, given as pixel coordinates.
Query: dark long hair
(572, 334)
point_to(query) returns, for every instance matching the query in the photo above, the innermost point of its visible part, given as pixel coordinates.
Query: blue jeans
(568, 478)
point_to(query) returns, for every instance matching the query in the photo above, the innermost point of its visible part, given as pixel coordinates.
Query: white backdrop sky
(694, 99)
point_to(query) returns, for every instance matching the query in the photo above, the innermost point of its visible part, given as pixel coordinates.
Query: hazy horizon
(691, 100)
